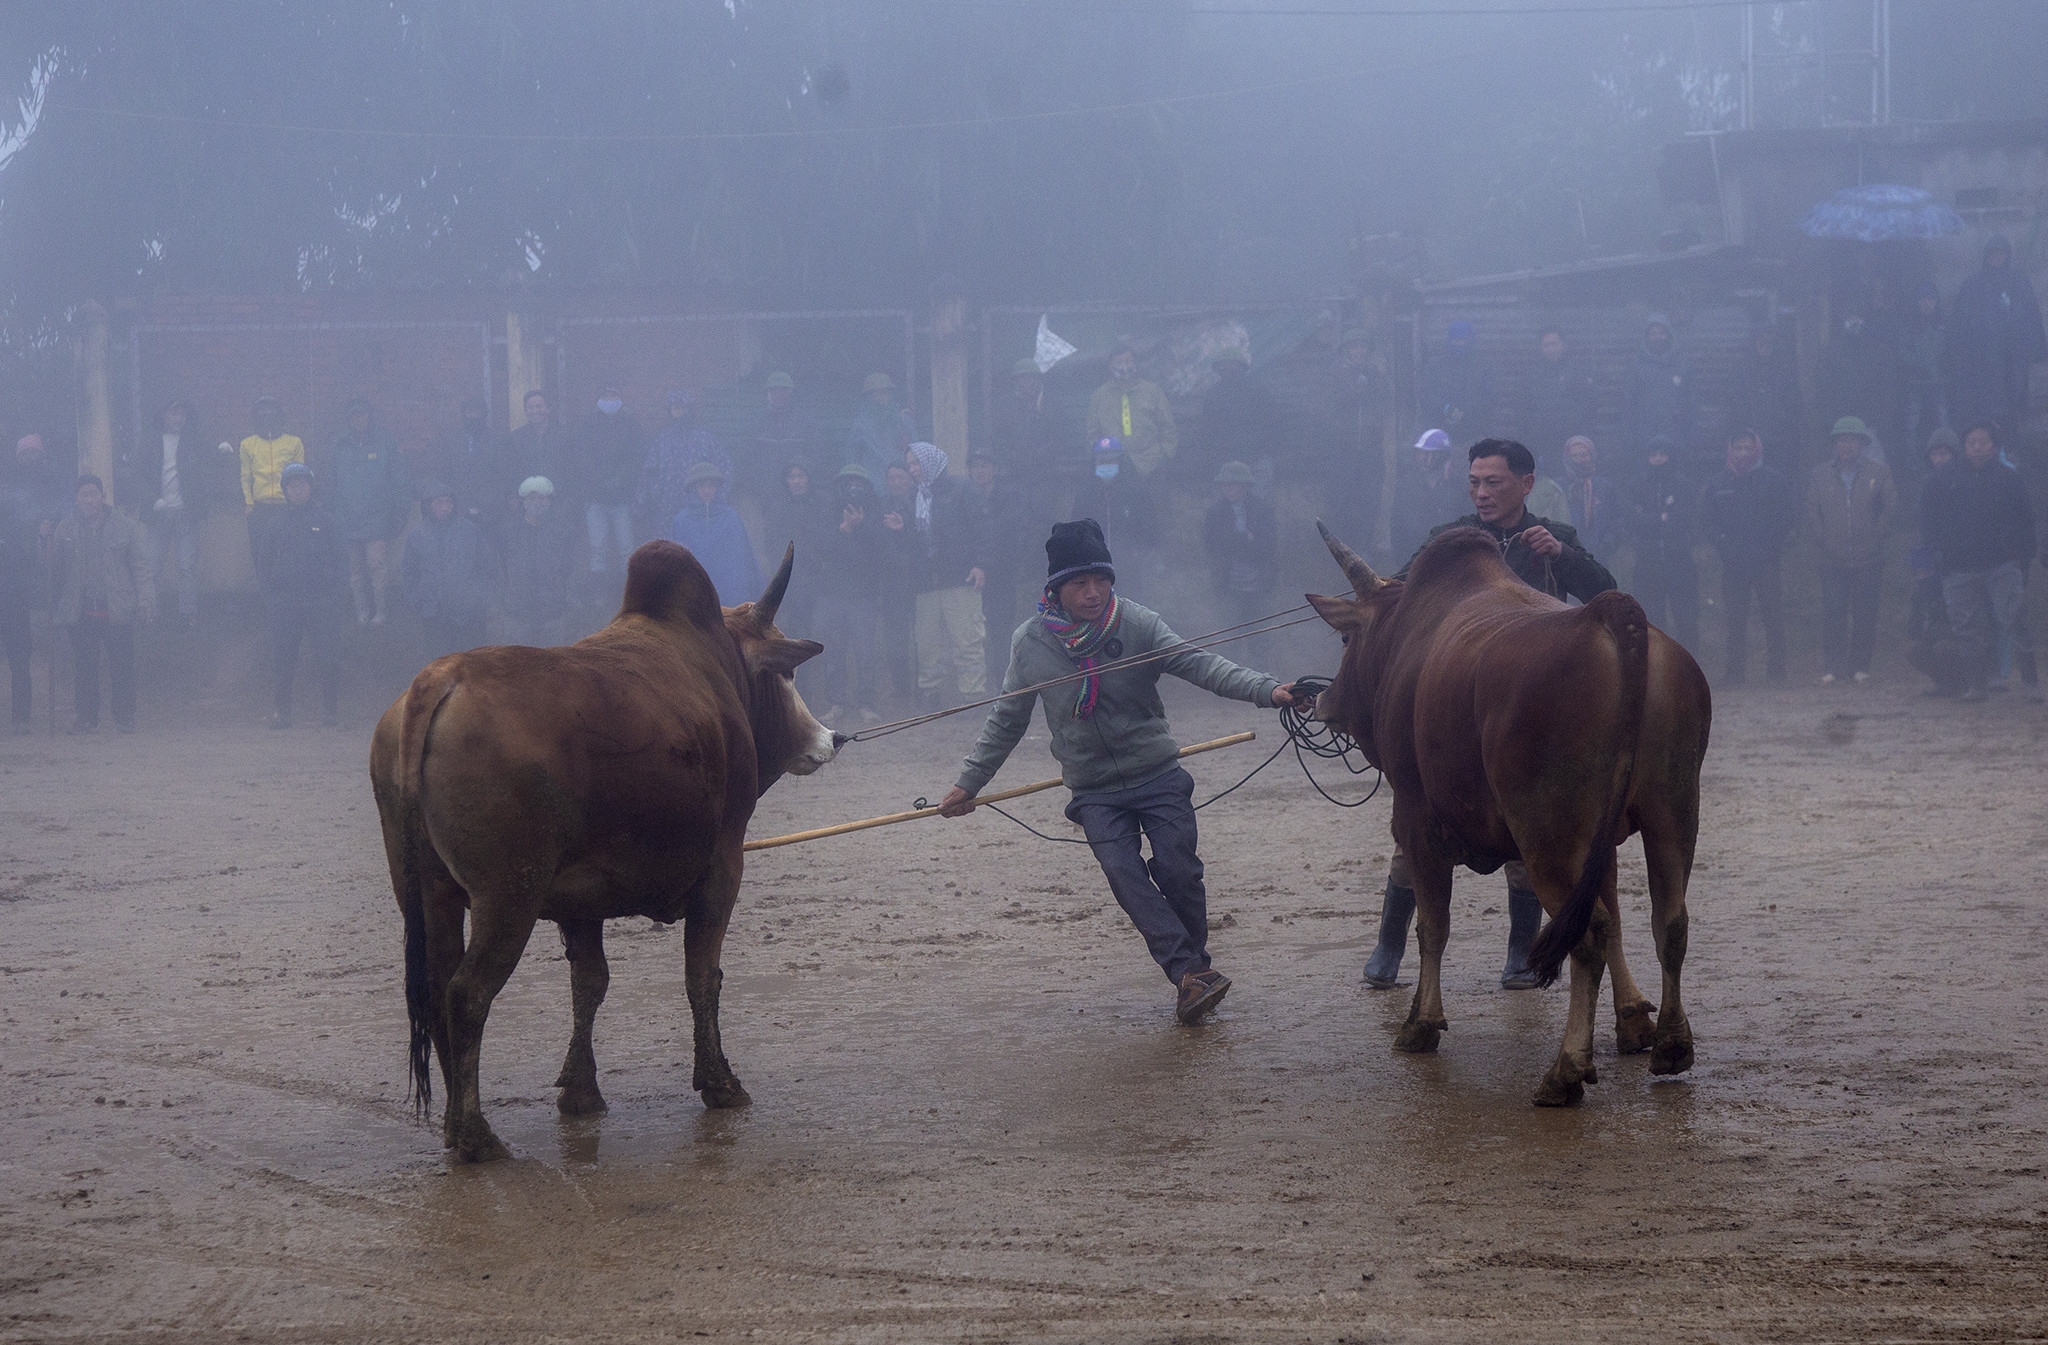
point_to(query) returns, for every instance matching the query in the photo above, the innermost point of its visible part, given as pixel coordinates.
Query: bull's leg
(708, 912)
(498, 930)
(443, 905)
(1632, 1010)
(1426, 1022)
(589, 976)
(1565, 1083)
(1669, 852)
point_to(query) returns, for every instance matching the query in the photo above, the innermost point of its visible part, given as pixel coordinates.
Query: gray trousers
(1164, 898)
(1984, 605)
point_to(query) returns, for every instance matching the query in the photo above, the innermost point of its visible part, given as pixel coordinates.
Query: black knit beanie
(1076, 548)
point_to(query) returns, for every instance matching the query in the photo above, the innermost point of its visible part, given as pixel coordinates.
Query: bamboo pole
(797, 837)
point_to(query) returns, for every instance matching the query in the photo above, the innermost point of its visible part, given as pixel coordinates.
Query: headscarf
(931, 465)
(1083, 641)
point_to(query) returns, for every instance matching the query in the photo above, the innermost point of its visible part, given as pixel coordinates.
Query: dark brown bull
(1514, 727)
(611, 778)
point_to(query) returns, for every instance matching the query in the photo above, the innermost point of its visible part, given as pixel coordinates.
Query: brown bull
(611, 778)
(1514, 727)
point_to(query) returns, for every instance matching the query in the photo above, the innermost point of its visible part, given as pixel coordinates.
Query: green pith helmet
(1852, 425)
(778, 379)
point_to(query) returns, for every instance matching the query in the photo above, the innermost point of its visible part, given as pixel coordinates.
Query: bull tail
(422, 703)
(1629, 628)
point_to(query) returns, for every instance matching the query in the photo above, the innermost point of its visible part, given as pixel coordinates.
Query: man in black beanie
(1110, 736)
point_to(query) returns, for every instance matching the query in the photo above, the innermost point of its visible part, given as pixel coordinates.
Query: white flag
(1051, 349)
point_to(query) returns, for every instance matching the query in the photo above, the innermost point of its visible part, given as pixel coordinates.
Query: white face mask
(1106, 470)
(609, 405)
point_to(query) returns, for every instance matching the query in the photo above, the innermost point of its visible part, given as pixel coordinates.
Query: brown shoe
(1200, 993)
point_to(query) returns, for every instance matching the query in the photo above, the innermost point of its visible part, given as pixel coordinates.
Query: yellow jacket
(1135, 412)
(263, 461)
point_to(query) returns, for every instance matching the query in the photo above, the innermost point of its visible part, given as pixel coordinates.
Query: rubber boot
(1383, 968)
(1525, 917)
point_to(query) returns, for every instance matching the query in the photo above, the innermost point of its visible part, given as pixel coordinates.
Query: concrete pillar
(525, 366)
(949, 374)
(95, 399)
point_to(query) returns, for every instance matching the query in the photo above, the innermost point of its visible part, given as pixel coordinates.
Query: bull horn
(771, 598)
(1363, 580)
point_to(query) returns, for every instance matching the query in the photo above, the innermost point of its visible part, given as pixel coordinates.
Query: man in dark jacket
(100, 577)
(785, 434)
(949, 579)
(1746, 510)
(1429, 490)
(35, 492)
(1241, 418)
(847, 554)
(1238, 535)
(1657, 390)
(1544, 554)
(1976, 515)
(171, 480)
(539, 559)
(471, 459)
(540, 447)
(611, 451)
(1457, 384)
(1995, 338)
(1027, 436)
(997, 513)
(1659, 508)
(1860, 377)
(447, 573)
(373, 495)
(1850, 501)
(1764, 395)
(1562, 401)
(302, 566)
(1121, 501)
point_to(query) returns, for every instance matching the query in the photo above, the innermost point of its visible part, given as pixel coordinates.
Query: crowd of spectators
(914, 573)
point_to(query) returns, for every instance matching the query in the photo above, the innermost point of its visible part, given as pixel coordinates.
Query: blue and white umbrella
(1880, 212)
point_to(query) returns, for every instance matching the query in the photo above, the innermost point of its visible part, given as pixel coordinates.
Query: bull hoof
(581, 1101)
(720, 1096)
(1672, 1055)
(1634, 1029)
(475, 1143)
(1555, 1091)
(1591, 1074)
(1418, 1037)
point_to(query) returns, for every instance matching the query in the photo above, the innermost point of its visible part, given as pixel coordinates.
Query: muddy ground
(974, 1118)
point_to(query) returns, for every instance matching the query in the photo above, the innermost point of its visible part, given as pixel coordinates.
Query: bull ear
(771, 598)
(1342, 613)
(779, 656)
(1363, 580)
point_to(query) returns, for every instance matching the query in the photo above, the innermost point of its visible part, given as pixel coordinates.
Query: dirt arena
(974, 1119)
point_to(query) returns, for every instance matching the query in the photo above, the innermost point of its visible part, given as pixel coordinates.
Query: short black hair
(1520, 460)
(1989, 427)
(531, 394)
(89, 480)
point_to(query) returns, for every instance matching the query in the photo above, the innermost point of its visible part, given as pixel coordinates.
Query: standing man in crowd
(1361, 420)
(1657, 390)
(613, 452)
(1850, 502)
(264, 455)
(1590, 506)
(301, 566)
(100, 574)
(448, 573)
(1238, 535)
(1659, 521)
(949, 580)
(35, 493)
(1241, 419)
(540, 447)
(785, 434)
(1028, 437)
(373, 494)
(1121, 503)
(847, 552)
(1134, 412)
(1562, 399)
(1746, 511)
(1546, 555)
(1995, 338)
(665, 488)
(471, 460)
(1764, 395)
(1860, 379)
(1111, 739)
(1976, 514)
(880, 433)
(900, 551)
(181, 477)
(1457, 384)
(539, 561)
(1426, 493)
(996, 513)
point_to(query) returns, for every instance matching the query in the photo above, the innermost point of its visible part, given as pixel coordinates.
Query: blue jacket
(719, 541)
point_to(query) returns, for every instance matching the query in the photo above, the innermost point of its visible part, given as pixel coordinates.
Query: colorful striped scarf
(1084, 641)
